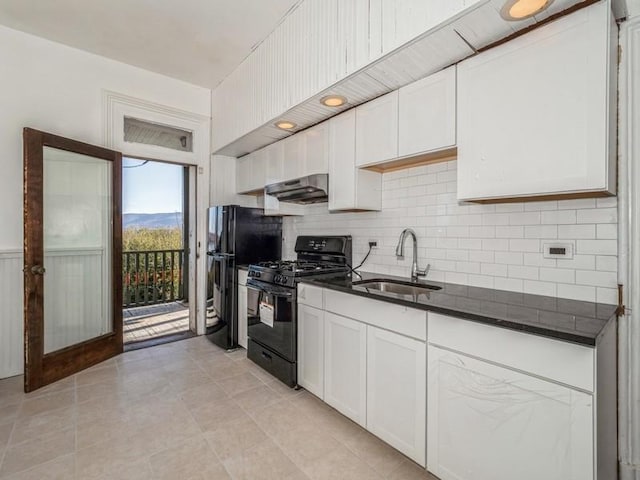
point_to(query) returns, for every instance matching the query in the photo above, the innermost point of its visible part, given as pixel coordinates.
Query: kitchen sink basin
(398, 287)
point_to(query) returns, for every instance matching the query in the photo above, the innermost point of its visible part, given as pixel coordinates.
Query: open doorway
(155, 265)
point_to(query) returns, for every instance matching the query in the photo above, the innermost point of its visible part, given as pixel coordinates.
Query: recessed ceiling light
(514, 10)
(285, 125)
(333, 100)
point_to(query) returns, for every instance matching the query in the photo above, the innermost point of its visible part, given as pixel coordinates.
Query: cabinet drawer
(397, 318)
(556, 360)
(310, 295)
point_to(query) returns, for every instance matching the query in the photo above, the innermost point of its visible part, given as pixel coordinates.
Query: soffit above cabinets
(472, 29)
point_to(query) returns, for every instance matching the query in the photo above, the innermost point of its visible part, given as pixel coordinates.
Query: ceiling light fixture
(514, 10)
(285, 125)
(333, 100)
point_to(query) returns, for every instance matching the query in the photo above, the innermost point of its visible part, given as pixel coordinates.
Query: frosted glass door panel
(77, 224)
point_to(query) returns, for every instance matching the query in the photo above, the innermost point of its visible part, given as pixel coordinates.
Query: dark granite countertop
(558, 318)
(243, 267)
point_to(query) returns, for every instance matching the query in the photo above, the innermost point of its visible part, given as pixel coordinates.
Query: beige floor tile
(184, 461)
(217, 414)
(262, 462)
(62, 468)
(282, 389)
(238, 354)
(221, 368)
(340, 465)
(409, 470)
(36, 451)
(205, 393)
(213, 472)
(240, 383)
(279, 419)
(233, 439)
(97, 374)
(306, 444)
(28, 428)
(9, 413)
(258, 397)
(137, 470)
(47, 403)
(5, 433)
(55, 387)
(376, 453)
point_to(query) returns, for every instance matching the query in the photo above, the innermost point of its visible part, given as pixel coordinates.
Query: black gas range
(271, 300)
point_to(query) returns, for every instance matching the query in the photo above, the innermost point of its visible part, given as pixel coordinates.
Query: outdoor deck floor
(153, 321)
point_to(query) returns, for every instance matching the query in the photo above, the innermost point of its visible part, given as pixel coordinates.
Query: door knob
(38, 270)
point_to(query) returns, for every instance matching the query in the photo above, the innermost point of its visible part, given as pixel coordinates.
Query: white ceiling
(198, 41)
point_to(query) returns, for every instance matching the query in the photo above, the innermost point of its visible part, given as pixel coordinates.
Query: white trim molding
(629, 251)
(115, 108)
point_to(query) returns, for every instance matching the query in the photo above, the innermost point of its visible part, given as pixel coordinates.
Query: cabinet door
(345, 357)
(535, 114)
(274, 158)
(396, 391)
(488, 422)
(342, 161)
(427, 114)
(242, 316)
(258, 167)
(243, 174)
(311, 349)
(316, 149)
(293, 163)
(377, 130)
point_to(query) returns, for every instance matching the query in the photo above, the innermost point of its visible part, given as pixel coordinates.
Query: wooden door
(72, 256)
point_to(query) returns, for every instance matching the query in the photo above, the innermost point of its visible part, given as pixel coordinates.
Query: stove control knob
(256, 274)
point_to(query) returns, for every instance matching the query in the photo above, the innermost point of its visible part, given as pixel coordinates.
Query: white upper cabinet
(316, 149)
(349, 187)
(536, 115)
(427, 114)
(377, 130)
(275, 170)
(293, 156)
(251, 172)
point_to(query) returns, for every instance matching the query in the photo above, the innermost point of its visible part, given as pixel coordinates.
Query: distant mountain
(152, 220)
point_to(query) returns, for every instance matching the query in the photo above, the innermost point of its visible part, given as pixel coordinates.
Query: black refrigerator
(237, 236)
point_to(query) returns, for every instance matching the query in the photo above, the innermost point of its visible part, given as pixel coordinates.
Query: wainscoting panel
(11, 338)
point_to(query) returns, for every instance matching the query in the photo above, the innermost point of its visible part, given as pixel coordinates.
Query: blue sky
(152, 188)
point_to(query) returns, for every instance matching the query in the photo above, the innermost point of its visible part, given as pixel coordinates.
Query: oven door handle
(267, 288)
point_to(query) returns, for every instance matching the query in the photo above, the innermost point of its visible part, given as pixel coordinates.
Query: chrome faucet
(415, 271)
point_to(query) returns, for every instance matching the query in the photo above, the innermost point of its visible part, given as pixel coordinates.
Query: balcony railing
(151, 277)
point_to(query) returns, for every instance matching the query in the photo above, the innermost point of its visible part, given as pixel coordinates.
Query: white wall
(55, 88)
(494, 246)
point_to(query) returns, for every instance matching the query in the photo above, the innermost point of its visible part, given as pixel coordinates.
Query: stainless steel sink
(398, 287)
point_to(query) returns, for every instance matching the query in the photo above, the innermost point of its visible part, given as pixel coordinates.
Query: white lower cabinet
(311, 349)
(396, 391)
(345, 358)
(488, 422)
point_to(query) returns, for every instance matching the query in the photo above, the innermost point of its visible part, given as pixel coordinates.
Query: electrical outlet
(373, 243)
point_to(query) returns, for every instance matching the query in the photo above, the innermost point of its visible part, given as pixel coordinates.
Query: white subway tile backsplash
(607, 231)
(487, 245)
(597, 279)
(524, 272)
(597, 247)
(577, 231)
(598, 215)
(559, 217)
(577, 292)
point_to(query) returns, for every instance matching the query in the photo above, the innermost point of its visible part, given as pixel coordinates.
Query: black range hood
(304, 190)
